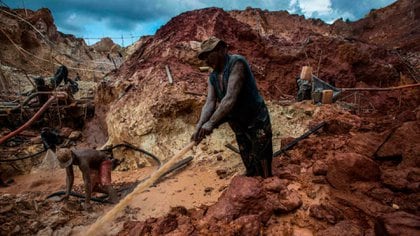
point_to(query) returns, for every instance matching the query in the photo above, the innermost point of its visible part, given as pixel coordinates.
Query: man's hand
(202, 131)
(194, 136)
(205, 130)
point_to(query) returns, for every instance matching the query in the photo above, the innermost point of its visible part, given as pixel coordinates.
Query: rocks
(165, 225)
(395, 179)
(275, 184)
(402, 179)
(244, 196)
(343, 228)
(366, 143)
(336, 126)
(345, 168)
(247, 225)
(208, 190)
(319, 168)
(398, 223)
(287, 201)
(222, 173)
(75, 135)
(403, 143)
(326, 213)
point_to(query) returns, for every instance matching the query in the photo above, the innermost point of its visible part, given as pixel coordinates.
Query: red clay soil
(356, 177)
(368, 162)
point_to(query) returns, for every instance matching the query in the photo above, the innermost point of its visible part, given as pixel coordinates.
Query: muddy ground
(348, 174)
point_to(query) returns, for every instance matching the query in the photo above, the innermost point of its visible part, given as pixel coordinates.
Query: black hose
(179, 165)
(231, 147)
(125, 144)
(296, 140)
(95, 199)
(22, 158)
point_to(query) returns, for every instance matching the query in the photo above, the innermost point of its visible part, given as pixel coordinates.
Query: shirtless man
(96, 170)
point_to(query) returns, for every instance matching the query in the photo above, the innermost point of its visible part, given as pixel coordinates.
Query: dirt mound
(106, 45)
(394, 27)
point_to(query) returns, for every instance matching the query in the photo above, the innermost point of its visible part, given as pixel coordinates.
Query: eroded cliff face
(30, 42)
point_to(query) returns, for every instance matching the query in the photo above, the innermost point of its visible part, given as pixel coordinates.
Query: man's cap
(209, 45)
(65, 157)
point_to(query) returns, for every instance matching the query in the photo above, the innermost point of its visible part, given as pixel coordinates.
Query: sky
(126, 20)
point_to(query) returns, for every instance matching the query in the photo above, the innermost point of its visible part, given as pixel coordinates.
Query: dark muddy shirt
(249, 104)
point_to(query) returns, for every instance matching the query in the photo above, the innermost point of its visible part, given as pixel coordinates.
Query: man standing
(233, 97)
(96, 170)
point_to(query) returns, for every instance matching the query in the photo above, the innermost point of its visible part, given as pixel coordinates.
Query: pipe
(125, 144)
(296, 140)
(95, 199)
(381, 89)
(29, 98)
(32, 120)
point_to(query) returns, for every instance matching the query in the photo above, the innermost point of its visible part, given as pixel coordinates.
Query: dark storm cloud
(125, 14)
(117, 17)
(121, 14)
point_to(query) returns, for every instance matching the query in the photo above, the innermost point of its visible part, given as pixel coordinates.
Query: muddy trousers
(256, 149)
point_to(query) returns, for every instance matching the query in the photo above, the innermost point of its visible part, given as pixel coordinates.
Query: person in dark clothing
(50, 138)
(62, 75)
(233, 97)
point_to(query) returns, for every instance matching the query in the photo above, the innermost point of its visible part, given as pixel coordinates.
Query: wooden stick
(98, 227)
(168, 73)
(195, 94)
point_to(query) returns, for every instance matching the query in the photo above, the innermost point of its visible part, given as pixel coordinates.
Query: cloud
(318, 7)
(116, 17)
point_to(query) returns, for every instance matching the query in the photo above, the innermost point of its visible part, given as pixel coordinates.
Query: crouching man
(96, 170)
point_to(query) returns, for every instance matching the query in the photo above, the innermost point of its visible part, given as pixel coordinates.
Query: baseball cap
(208, 46)
(65, 157)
